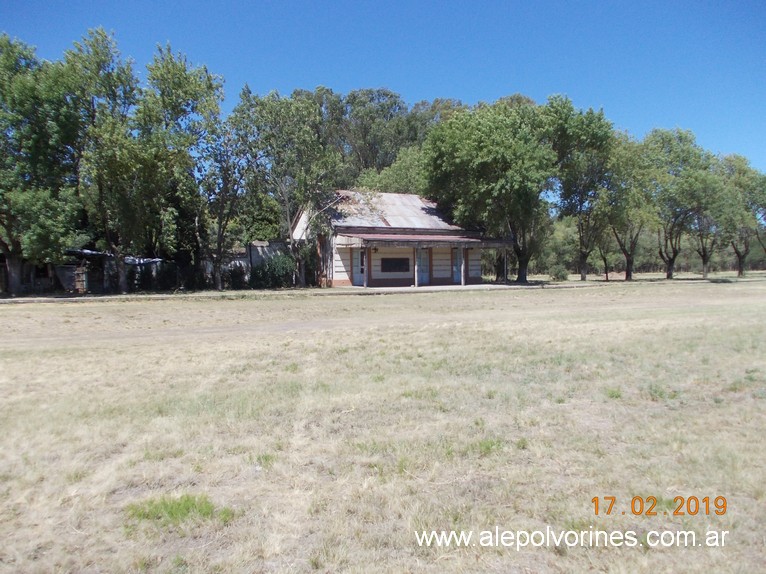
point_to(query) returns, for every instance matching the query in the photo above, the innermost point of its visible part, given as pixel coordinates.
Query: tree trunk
(521, 277)
(705, 266)
(217, 275)
(583, 266)
(606, 265)
(670, 267)
(741, 257)
(741, 264)
(629, 262)
(13, 265)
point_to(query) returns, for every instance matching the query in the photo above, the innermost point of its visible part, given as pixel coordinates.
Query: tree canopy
(94, 158)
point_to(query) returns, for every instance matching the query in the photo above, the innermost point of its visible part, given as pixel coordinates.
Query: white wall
(341, 264)
(392, 252)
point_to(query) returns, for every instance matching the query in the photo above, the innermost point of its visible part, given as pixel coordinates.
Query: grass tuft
(172, 511)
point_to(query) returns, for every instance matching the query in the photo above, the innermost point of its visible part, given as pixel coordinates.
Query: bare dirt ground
(331, 429)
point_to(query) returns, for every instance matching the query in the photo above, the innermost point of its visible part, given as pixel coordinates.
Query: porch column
(367, 264)
(415, 254)
(463, 269)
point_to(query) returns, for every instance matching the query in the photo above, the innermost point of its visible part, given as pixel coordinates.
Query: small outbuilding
(395, 240)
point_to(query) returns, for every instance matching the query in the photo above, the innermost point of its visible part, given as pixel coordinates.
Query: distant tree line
(93, 159)
(562, 184)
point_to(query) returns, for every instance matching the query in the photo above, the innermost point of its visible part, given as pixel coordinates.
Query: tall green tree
(582, 141)
(490, 167)
(676, 158)
(296, 168)
(37, 161)
(406, 175)
(629, 197)
(376, 128)
(424, 115)
(706, 197)
(105, 91)
(230, 174)
(758, 205)
(176, 119)
(742, 187)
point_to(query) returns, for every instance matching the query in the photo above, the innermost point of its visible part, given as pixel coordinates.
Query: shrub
(558, 273)
(274, 273)
(237, 277)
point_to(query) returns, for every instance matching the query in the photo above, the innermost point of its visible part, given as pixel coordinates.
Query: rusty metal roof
(413, 238)
(362, 209)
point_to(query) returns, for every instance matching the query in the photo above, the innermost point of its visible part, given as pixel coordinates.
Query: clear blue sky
(696, 65)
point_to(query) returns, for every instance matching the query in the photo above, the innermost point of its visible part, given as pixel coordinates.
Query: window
(395, 265)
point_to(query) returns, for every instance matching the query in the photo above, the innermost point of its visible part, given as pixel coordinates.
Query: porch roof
(414, 240)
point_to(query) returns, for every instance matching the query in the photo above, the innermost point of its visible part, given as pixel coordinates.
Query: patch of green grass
(226, 515)
(427, 393)
(374, 448)
(160, 455)
(753, 375)
(180, 564)
(266, 460)
(657, 392)
(613, 393)
(172, 511)
(74, 476)
(142, 564)
(291, 368)
(487, 446)
(522, 444)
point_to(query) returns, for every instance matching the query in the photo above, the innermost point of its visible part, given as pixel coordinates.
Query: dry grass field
(302, 433)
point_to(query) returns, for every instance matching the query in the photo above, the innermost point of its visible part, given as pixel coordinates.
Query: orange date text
(649, 506)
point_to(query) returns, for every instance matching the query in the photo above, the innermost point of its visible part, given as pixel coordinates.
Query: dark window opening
(395, 265)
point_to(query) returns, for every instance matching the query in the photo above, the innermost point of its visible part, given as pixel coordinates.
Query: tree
(424, 115)
(375, 128)
(39, 130)
(406, 175)
(295, 167)
(105, 91)
(705, 195)
(758, 205)
(676, 157)
(582, 142)
(742, 187)
(178, 121)
(230, 174)
(490, 167)
(628, 197)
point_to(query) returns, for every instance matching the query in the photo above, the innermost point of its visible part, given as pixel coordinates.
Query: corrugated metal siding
(342, 264)
(442, 262)
(474, 263)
